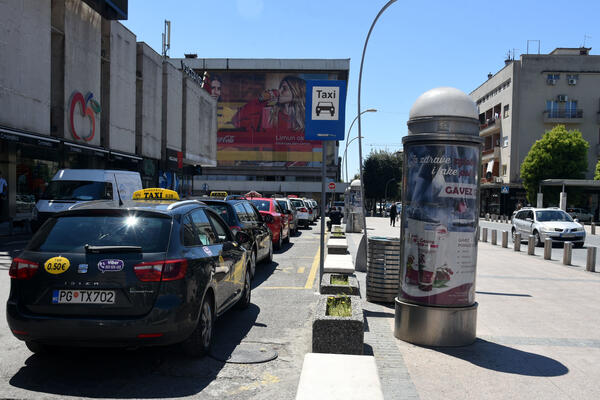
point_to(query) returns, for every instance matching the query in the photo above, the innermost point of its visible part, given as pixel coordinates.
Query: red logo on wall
(88, 108)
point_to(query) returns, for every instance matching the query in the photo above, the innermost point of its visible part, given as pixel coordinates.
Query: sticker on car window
(109, 265)
(57, 265)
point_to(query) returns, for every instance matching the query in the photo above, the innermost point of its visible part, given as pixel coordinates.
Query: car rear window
(72, 233)
(262, 205)
(78, 190)
(297, 203)
(224, 211)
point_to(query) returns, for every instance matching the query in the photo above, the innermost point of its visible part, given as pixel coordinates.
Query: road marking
(301, 270)
(315, 267)
(280, 287)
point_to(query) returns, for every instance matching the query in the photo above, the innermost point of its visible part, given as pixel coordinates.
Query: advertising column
(436, 300)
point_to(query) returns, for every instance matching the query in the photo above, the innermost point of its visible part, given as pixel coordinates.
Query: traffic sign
(325, 110)
(332, 185)
(504, 189)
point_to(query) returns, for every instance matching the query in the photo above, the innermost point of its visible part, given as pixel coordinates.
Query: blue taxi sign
(325, 110)
(155, 194)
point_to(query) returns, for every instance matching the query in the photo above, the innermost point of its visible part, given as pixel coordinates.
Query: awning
(490, 166)
(18, 136)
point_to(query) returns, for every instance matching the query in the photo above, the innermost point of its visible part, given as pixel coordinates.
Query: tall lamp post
(386, 186)
(362, 182)
(344, 160)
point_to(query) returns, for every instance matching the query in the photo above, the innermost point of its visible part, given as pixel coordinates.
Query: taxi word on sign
(57, 265)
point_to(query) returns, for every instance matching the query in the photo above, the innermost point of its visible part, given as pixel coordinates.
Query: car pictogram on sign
(325, 106)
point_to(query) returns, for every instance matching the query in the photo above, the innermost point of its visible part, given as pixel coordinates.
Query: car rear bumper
(159, 327)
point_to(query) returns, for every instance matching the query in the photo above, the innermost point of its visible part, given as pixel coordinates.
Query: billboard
(261, 119)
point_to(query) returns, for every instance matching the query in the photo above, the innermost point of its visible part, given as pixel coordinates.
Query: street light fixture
(362, 182)
(344, 160)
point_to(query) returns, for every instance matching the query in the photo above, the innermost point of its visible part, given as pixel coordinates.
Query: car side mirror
(242, 237)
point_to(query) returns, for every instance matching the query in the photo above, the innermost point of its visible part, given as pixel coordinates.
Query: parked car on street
(276, 220)
(148, 272)
(289, 209)
(303, 209)
(544, 223)
(581, 214)
(242, 216)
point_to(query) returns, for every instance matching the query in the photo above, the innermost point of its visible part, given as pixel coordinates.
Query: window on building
(552, 108)
(571, 109)
(506, 113)
(551, 79)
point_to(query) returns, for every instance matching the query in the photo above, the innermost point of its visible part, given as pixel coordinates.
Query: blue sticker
(82, 269)
(110, 265)
(54, 296)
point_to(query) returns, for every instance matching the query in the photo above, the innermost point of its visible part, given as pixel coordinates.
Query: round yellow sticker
(57, 265)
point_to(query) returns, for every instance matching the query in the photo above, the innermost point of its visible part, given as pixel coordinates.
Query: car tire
(514, 234)
(287, 239)
(244, 301)
(537, 239)
(199, 342)
(252, 263)
(279, 241)
(269, 258)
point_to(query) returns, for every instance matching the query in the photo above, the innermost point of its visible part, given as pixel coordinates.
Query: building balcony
(563, 116)
(488, 154)
(491, 125)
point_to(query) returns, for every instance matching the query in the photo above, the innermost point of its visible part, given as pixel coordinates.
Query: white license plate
(567, 235)
(83, 297)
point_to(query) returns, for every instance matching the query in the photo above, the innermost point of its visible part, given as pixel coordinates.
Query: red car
(275, 218)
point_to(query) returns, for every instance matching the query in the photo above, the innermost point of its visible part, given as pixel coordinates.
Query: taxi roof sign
(155, 194)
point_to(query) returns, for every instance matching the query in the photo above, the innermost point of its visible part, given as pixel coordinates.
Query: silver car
(544, 223)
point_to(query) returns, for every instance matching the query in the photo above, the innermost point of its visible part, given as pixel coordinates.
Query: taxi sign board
(325, 110)
(155, 194)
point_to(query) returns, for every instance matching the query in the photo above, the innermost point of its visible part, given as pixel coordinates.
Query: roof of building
(263, 64)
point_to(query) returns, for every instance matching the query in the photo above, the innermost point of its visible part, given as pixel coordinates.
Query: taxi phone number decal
(57, 265)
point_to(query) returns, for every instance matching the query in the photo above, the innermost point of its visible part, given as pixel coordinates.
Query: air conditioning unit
(572, 81)
(498, 179)
(551, 81)
(562, 97)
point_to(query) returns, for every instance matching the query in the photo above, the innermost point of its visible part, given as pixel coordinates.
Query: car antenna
(118, 192)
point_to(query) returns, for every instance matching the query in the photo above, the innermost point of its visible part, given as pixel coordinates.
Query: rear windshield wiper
(112, 249)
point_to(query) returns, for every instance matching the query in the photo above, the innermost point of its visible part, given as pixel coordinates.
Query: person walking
(393, 213)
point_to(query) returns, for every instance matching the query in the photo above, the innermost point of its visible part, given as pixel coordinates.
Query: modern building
(522, 101)
(261, 113)
(78, 91)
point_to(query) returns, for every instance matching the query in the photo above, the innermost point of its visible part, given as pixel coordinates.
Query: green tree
(597, 173)
(380, 169)
(559, 154)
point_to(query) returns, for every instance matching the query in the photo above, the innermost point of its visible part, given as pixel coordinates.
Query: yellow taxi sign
(155, 194)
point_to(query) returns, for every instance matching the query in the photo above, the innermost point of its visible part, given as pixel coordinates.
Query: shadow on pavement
(263, 272)
(161, 372)
(501, 358)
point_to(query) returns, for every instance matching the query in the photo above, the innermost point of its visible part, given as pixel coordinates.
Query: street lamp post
(344, 160)
(386, 186)
(362, 181)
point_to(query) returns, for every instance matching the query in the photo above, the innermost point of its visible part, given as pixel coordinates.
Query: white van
(74, 186)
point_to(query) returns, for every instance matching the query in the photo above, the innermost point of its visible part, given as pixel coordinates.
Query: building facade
(78, 91)
(522, 101)
(261, 113)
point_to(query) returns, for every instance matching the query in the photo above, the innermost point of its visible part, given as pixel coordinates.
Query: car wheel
(514, 234)
(270, 256)
(198, 344)
(278, 245)
(537, 240)
(287, 239)
(244, 301)
(252, 263)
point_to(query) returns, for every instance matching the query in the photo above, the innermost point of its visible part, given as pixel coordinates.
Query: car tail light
(268, 218)
(310, 211)
(235, 229)
(156, 271)
(22, 269)
(303, 209)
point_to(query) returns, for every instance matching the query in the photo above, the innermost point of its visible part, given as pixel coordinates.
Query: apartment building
(522, 101)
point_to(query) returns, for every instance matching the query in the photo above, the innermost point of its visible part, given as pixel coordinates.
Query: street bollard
(591, 259)
(531, 245)
(504, 239)
(484, 235)
(593, 228)
(517, 243)
(547, 249)
(494, 237)
(567, 252)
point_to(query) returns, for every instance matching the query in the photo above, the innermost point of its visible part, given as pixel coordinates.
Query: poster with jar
(440, 197)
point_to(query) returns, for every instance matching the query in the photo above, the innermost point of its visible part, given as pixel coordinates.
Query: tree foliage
(559, 154)
(382, 168)
(597, 173)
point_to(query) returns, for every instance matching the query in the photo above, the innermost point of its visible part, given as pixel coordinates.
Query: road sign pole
(323, 177)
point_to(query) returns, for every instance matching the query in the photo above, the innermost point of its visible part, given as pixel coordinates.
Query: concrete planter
(351, 289)
(338, 335)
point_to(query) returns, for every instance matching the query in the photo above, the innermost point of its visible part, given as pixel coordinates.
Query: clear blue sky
(415, 46)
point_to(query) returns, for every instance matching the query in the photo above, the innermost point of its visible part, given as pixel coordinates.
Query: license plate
(567, 235)
(83, 297)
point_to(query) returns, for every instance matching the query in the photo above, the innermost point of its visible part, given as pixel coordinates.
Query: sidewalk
(537, 334)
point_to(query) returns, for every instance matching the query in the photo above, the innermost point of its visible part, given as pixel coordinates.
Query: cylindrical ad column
(436, 301)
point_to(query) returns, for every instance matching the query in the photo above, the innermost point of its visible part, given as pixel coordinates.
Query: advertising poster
(261, 119)
(440, 225)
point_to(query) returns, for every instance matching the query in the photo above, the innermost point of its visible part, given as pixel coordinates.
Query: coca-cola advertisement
(440, 224)
(261, 119)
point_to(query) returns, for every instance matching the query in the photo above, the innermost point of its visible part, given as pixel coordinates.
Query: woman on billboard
(280, 109)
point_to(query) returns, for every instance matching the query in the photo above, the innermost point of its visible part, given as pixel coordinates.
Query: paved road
(278, 319)
(579, 256)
